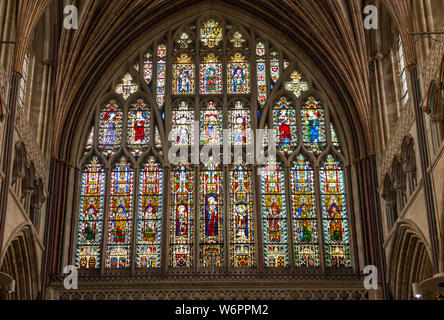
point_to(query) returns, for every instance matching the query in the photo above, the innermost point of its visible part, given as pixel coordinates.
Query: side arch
(409, 261)
(20, 262)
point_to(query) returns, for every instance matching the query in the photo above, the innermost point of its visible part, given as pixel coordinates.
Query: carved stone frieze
(32, 147)
(4, 90)
(225, 286)
(432, 64)
(400, 130)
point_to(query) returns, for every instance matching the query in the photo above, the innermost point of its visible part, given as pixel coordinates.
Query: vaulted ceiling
(330, 31)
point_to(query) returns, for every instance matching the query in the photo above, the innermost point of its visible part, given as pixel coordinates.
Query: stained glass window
(275, 70)
(238, 75)
(237, 40)
(313, 126)
(149, 223)
(239, 121)
(296, 85)
(334, 210)
(161, 74)
(284, 118)
(211, 124)
(120, 215)
(148, 68)
(334, 137)
(261, 74)
(90, 141)
(298, 207)
(211, 215)
(241, 216)
(90, 228)
(127, 87)
(184, 40)
(211, 75)
(181, 216)
(305, 226)
(183, 75)
(211, 33)
(182, 128)
(274, 215)
(110, 131)
(139, 120)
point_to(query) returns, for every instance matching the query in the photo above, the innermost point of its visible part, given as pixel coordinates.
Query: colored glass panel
(110, 130)
(127, 87)
(275, 70)
(274, 215)
(239, 121)
(138, 128)
(149, 223)
(336, 236)
(241, 216)
(211, 124)
(182, 127)
(313, 126)
(211, 33)
(211, 215)
(296, 85)
(120, 215)
(261, 74)
(305, 225)
(89, 235)
(161, 74)
(211, 75)
(238, 75)
(237, 40)
(181, 216)
(148, 68)
(284, 118)
(334, 136)
(183, 75)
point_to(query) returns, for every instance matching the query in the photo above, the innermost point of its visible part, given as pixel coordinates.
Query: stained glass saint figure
(273, 223)
(241, 215)
(285, 137)
(335, 223)
(305, 216)
(150, 222)
(120, 224)
(182, 221)
(211, 216)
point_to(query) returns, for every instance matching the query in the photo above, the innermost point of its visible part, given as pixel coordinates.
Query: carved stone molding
(322, 290)
(32, 147)
(4, 90)
(401, 129)
(433, 63)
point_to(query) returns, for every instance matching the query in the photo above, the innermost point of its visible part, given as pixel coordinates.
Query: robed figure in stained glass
(211, 79)
(150, 224)
(184, 81)
(90, 232)
(239, 130)
(139, 127)
(284, 127)
(211, 216)
(314, 127)
(273, 223)
(238, 80)
(110, 127)
(120, 224)
(241, 215)
(181, 221)
(305, 229)
(335, 223)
